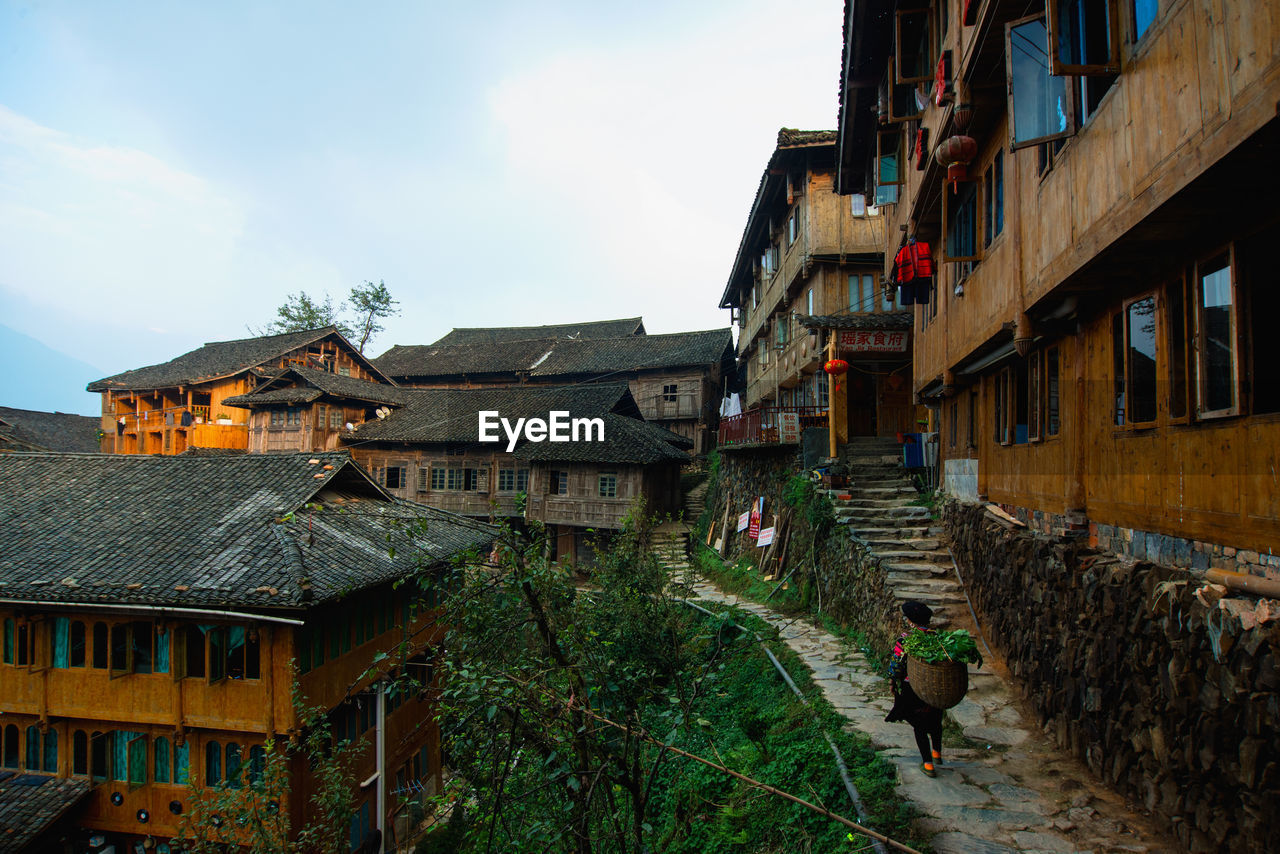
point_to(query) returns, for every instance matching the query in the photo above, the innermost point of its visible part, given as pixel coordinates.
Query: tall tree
(371, 303)
(300, 312)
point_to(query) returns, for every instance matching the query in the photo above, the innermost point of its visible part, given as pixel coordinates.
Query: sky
(171, 172)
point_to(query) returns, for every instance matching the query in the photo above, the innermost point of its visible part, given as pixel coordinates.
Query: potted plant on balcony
(223, 418)
(937, 665)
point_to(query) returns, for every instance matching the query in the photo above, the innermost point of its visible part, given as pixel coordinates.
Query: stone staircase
(878, 508)
(670, 543)
(694, 502)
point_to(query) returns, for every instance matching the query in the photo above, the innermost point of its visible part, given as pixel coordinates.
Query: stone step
(910, 556)
(883, 514)
(928, 595)
(922, 568)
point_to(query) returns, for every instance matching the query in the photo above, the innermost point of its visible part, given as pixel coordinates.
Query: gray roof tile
(589, 329)
(30, 430)
(30, 803)
(201, 531)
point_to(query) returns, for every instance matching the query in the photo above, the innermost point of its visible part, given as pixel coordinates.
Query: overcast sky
(169, 172)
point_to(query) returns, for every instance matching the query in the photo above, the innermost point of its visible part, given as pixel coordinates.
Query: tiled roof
(550, 357)
(892, 321)
(626, 440)
(302, 384)
(427, 360)
(29, 430)
(216, 359)
(452, 414)
(589, 329)
(263, 531)
(31, 803)
(637, 352)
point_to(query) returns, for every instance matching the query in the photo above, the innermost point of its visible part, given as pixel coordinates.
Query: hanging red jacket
(913, 261)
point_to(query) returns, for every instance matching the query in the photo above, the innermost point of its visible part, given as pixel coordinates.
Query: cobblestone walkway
(1004, 790)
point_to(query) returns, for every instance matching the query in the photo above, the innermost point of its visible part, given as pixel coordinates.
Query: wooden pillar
(832, 430)
(1077, 494)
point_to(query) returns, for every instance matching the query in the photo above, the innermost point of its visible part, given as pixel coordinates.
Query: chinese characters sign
(872, 341)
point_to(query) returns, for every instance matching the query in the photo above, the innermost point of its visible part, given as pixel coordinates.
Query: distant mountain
(38, 377)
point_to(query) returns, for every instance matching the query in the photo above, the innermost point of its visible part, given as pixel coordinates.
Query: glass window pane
(1217, 317)
(1142, 361)
(1039, 100)
(1144, 13)
(77, 654)
(212, 763)
(79, 752)
(51, 751)
(1117, 367)
(1177, 350)
(162, 760)
(138, 760)
(181, 764)
(233, 765)
(1051, 383)
(33, 749)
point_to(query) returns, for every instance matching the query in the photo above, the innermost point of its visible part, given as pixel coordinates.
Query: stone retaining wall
(1168, 692)
(846, 582)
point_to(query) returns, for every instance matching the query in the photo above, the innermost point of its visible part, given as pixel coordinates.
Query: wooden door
(894, 404)
(862, 403)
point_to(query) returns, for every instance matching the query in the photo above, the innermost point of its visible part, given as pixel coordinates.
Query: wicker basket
(941, 684)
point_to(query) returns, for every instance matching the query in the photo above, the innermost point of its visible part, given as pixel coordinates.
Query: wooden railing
(761, 426)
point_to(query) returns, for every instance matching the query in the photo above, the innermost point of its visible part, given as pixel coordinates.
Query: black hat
(917, 612)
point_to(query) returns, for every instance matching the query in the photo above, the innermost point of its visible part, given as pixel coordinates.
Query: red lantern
(956, 153)
(836, 367)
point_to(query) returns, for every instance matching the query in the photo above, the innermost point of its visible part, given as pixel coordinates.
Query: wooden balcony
(762, 426)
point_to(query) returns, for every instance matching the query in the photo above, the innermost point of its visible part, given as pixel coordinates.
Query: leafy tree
(301, 312)
(368, 305)
(371, 304)
(250, 808)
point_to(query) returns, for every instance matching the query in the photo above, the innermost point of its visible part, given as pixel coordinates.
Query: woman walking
(924, 719)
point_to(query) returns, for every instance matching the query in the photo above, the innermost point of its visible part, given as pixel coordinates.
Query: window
(858, 204)
(11, 746)
(1217, 338)
(901, 99)
(134, 648)
(422, 480)
(889, 169)
(10, 630)
(513, 479)
(1035, 414)
(973, 418)
(437, 478)
(76, 655)
(822, 390)
(1117, 366)
(321, 415)
(1144, 14)
(100, 646)
(257, 765)
(914, 47)
(960, 219)
(558, 483)
(1002, 409)
(993, 199)
(953, 428)
(396, 475)
(344, 371)
(669, 393)
(80, 753)
(212, 763)
(32, 762)
(608, 484)
(1053, 405)
(1140, 360)
(1039, 104)
(861, 292)
(809, 302)
(782, 330)
(461, 480)
(277, 418)
(793, 226)
(233, 765)
(335, 419)
(160, 771)
(100, 755)
(1082, 37)
(293, 418)
(1178, 336)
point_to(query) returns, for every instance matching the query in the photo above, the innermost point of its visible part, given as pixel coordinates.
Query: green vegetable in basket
(936, 647)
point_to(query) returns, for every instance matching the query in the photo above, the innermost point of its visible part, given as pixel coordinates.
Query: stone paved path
(1005, 790)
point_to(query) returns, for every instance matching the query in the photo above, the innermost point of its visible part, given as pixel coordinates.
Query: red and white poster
(753, 529)
(744, 520)
(765, 538)
(872, 341)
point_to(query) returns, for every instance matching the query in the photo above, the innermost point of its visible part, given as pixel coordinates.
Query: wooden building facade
(1096, 348)
(167, 661)
(183, 403)
(808, 269)
(677, 379)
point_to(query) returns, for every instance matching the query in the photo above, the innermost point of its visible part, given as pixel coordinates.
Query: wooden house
(428, 450)
(307, 409)
(30, 430)
(158, 611)
(676, 379)
(180, 404)
(1095, 181)
(807, 272)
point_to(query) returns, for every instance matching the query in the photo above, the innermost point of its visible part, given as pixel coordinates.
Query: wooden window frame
(1056, 352)
(1183, 334)
(1068, 90)
(992, 216)
(881, 134)
(977, 225)
(1128, 304)
(890, 92)
(1237, 350)
(1059, 68)
(1003, 407)
(600, 484)
(930, 46)
(1037, 402)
